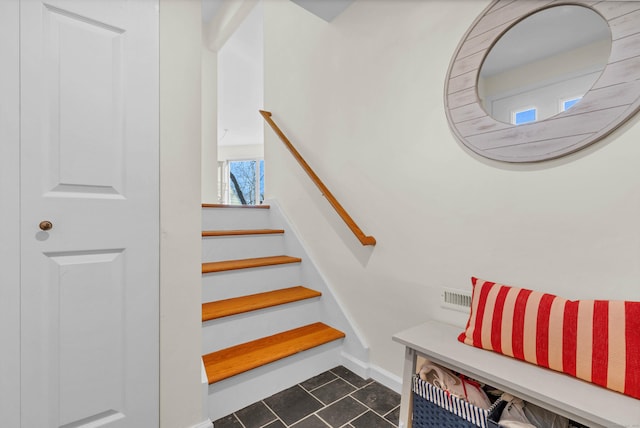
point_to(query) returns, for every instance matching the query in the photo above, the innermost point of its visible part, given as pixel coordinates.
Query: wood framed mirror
(612, 98)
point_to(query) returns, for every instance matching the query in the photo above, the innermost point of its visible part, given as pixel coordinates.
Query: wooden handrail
(364, 239)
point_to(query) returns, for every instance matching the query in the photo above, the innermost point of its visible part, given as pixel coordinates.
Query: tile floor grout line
(351, 420)
(335, 377)
(274, 413)
(390, 411)
(348, 422)
(317, 416)
(367, 408)
(374, 411)
(350, 383)
(336, 401)
(239, 420)
(370, 381)
(321, 386)
(316, 398)
(277, 418)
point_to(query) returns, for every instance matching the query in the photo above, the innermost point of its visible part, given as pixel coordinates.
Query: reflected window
(567, 104)
(524, 116)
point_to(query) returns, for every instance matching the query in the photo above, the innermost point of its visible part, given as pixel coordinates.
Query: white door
(89, 165)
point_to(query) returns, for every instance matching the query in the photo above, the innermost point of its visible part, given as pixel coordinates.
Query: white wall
(361, 98)
(241, 83)
(180, 213)
(209, 126)
(10, 213)
(240, 152)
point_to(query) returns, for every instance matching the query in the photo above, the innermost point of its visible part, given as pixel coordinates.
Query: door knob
(45, 225)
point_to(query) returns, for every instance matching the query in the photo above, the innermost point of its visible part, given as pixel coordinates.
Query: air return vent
(455, 299)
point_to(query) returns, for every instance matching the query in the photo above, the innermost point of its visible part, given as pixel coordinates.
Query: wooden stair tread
(238, 359)
(235, 206)
(226, 265)
(240, 232)
(253, 302)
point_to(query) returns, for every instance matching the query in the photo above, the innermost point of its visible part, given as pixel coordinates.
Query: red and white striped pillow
(594, 340)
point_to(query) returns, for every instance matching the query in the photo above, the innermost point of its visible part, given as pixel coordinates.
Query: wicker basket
(433, 407)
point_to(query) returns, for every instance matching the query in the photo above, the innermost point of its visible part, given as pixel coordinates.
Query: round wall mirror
(537, 80)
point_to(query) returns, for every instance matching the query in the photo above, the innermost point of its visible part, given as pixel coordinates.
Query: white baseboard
(366, 370)
(204, 424)
(359, 367)
(386, 378)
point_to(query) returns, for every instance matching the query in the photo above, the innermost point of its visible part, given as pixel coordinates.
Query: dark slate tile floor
(337, 398)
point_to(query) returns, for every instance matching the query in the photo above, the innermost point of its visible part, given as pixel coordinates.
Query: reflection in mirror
(544, 64)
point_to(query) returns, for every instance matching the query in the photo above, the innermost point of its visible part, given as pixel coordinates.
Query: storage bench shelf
(580, 401)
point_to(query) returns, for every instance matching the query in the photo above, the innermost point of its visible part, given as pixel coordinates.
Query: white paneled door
(89, 150)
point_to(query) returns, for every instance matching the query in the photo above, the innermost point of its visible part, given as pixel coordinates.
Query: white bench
(580, 401)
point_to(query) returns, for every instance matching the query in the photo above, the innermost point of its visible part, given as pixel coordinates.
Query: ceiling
(325, 9)
(234, 29)
(544, 34)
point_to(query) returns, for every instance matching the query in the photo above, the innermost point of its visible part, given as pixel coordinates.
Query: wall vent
(455, 299)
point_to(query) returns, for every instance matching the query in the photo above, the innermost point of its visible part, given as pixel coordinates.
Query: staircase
(269, 321)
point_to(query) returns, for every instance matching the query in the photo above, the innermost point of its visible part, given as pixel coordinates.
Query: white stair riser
(229, 331)
(332, 311)
(220, 248)
(233, 394)
(235, 218)
(239, 391)
(225, 285)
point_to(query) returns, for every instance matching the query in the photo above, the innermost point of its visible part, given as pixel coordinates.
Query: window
(246, 182)
(524, 116)
(568, 103)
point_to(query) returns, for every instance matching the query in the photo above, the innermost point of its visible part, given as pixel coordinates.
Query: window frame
(226, 183)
